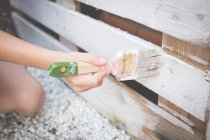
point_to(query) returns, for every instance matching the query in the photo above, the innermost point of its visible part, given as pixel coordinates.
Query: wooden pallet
(182, 107)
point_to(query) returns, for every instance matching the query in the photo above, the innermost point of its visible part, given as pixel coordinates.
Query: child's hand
(87, 81)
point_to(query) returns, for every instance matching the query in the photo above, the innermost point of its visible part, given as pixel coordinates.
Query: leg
(19, 90)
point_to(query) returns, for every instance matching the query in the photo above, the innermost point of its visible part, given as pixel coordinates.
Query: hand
(87, 81)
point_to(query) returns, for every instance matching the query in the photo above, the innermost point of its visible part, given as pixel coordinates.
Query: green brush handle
(63, 69)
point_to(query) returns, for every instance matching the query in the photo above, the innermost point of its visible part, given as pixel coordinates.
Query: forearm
(18, 51)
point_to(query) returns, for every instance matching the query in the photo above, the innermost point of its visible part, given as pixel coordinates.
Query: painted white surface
(178, 82)
(35, 35)
(185, 19)
(126, 108)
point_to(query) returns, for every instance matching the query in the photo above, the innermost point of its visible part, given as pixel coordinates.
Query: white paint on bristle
(142, 64)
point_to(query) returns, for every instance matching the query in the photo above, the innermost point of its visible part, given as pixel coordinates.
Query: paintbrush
(127, 65)
(134, 64)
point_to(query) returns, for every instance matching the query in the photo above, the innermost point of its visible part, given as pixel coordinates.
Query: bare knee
(30, 100)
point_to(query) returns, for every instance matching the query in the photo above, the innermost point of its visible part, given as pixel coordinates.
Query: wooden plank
(125, 107)
(69, 4)
(190, 53)
(35, 35)
(131, 27)
(129, 110)
(198, 57)
(180, 83)
(68, 43)
(183, 115)
(187, 20)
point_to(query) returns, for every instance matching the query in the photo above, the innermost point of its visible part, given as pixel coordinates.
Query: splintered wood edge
(122, 105)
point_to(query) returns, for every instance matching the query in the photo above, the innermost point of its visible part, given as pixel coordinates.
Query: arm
(18, 51)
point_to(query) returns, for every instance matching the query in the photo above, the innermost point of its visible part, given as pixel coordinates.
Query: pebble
(32, 129)
(64, 116)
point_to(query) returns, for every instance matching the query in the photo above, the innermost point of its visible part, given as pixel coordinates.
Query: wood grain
(183, 115)
(208, 131)
(69, 4)
(188, 20)
(190, 53)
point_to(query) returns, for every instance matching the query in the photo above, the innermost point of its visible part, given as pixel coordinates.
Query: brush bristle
(148, 63)
(132, 64)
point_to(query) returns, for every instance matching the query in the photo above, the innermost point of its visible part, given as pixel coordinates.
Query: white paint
(180, 83)
(36, 35)
(188, 20)
(69, 4)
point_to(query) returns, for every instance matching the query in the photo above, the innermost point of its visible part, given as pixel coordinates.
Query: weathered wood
(69, 4)
(124, 107)
(183, 115)
(208, 131)
(190, 53)
(187, 20)
(131, 27)
(122, 103)
(198, 57)
(35, 35)
(180, 83)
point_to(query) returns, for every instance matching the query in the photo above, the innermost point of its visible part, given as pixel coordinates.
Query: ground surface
(64, 116)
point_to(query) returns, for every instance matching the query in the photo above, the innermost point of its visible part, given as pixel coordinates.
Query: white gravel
(65, 116)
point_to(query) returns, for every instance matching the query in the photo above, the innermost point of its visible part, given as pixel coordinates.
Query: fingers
(88, 81)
